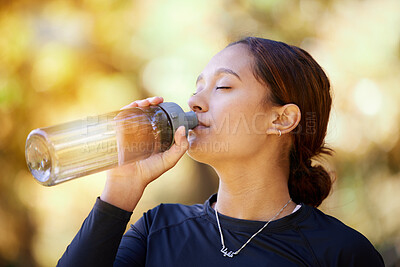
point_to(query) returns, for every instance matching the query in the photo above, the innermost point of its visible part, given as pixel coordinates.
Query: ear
(286, 119)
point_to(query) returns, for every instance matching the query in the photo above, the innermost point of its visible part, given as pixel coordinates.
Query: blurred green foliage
(62, 60)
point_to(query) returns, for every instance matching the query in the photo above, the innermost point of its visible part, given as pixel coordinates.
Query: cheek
(233, 130)
(245, 129)
(243, 123)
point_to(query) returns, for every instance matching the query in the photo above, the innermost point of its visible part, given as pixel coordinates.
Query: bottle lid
(178, 117)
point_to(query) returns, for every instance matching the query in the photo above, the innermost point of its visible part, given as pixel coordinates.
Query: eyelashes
(218, 87)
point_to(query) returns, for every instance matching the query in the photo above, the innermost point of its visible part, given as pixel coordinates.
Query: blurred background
(63, 60)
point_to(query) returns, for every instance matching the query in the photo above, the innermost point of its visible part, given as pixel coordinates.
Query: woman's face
(228, 102)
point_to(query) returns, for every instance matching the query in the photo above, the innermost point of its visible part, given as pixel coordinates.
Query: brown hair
(293, 76)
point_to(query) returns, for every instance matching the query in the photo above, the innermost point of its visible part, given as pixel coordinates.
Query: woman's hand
(125, 184)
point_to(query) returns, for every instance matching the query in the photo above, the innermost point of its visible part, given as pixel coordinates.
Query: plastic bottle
(66, 151)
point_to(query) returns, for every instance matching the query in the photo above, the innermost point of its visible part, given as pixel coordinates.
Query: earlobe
(287, 119)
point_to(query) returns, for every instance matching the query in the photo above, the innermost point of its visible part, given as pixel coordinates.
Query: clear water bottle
(66, 151)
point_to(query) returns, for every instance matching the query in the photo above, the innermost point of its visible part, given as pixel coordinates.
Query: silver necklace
(230, 254)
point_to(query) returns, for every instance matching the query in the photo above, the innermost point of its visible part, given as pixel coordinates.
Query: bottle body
(63, 152)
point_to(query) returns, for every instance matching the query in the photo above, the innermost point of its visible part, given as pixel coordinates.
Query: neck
(256, 192)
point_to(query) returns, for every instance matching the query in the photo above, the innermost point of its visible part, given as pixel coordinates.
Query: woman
(268, 104)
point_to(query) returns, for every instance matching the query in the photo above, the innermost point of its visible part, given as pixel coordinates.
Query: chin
(207, 152)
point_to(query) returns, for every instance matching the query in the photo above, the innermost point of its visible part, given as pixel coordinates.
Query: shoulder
(168, 215)
(327, 225)
(329, 236)
(336, 229)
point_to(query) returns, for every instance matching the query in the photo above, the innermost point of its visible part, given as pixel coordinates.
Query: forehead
(235, 57)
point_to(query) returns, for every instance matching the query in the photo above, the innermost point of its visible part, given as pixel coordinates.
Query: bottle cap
(178, 117)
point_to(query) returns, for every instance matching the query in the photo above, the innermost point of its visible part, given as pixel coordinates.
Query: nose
(198, 103)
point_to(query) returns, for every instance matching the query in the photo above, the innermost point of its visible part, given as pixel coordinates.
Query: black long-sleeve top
(180, 235)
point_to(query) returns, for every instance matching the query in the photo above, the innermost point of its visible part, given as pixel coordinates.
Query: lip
(201, 123)
(200, 126)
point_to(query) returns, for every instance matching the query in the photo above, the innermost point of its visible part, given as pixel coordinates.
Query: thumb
(181, 139)
(172, 155)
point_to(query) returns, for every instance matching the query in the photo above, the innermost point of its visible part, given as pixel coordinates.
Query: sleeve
(133, 247)
(97, 241)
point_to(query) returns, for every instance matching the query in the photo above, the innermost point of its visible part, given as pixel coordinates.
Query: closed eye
(218, 87)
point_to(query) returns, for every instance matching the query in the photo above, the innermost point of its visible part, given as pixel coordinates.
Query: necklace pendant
(229, 254)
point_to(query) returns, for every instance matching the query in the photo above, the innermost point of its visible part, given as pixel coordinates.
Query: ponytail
(308, 184)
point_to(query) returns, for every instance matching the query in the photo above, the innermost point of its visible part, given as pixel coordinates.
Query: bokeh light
(64, 60)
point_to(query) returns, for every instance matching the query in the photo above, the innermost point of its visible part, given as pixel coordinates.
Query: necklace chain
(230, 254)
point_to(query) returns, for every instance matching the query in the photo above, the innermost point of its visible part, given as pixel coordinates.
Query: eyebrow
(220, 71)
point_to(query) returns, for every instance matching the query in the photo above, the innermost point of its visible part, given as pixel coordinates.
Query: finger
(131, 105)
(155, 100)
(143, 103)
